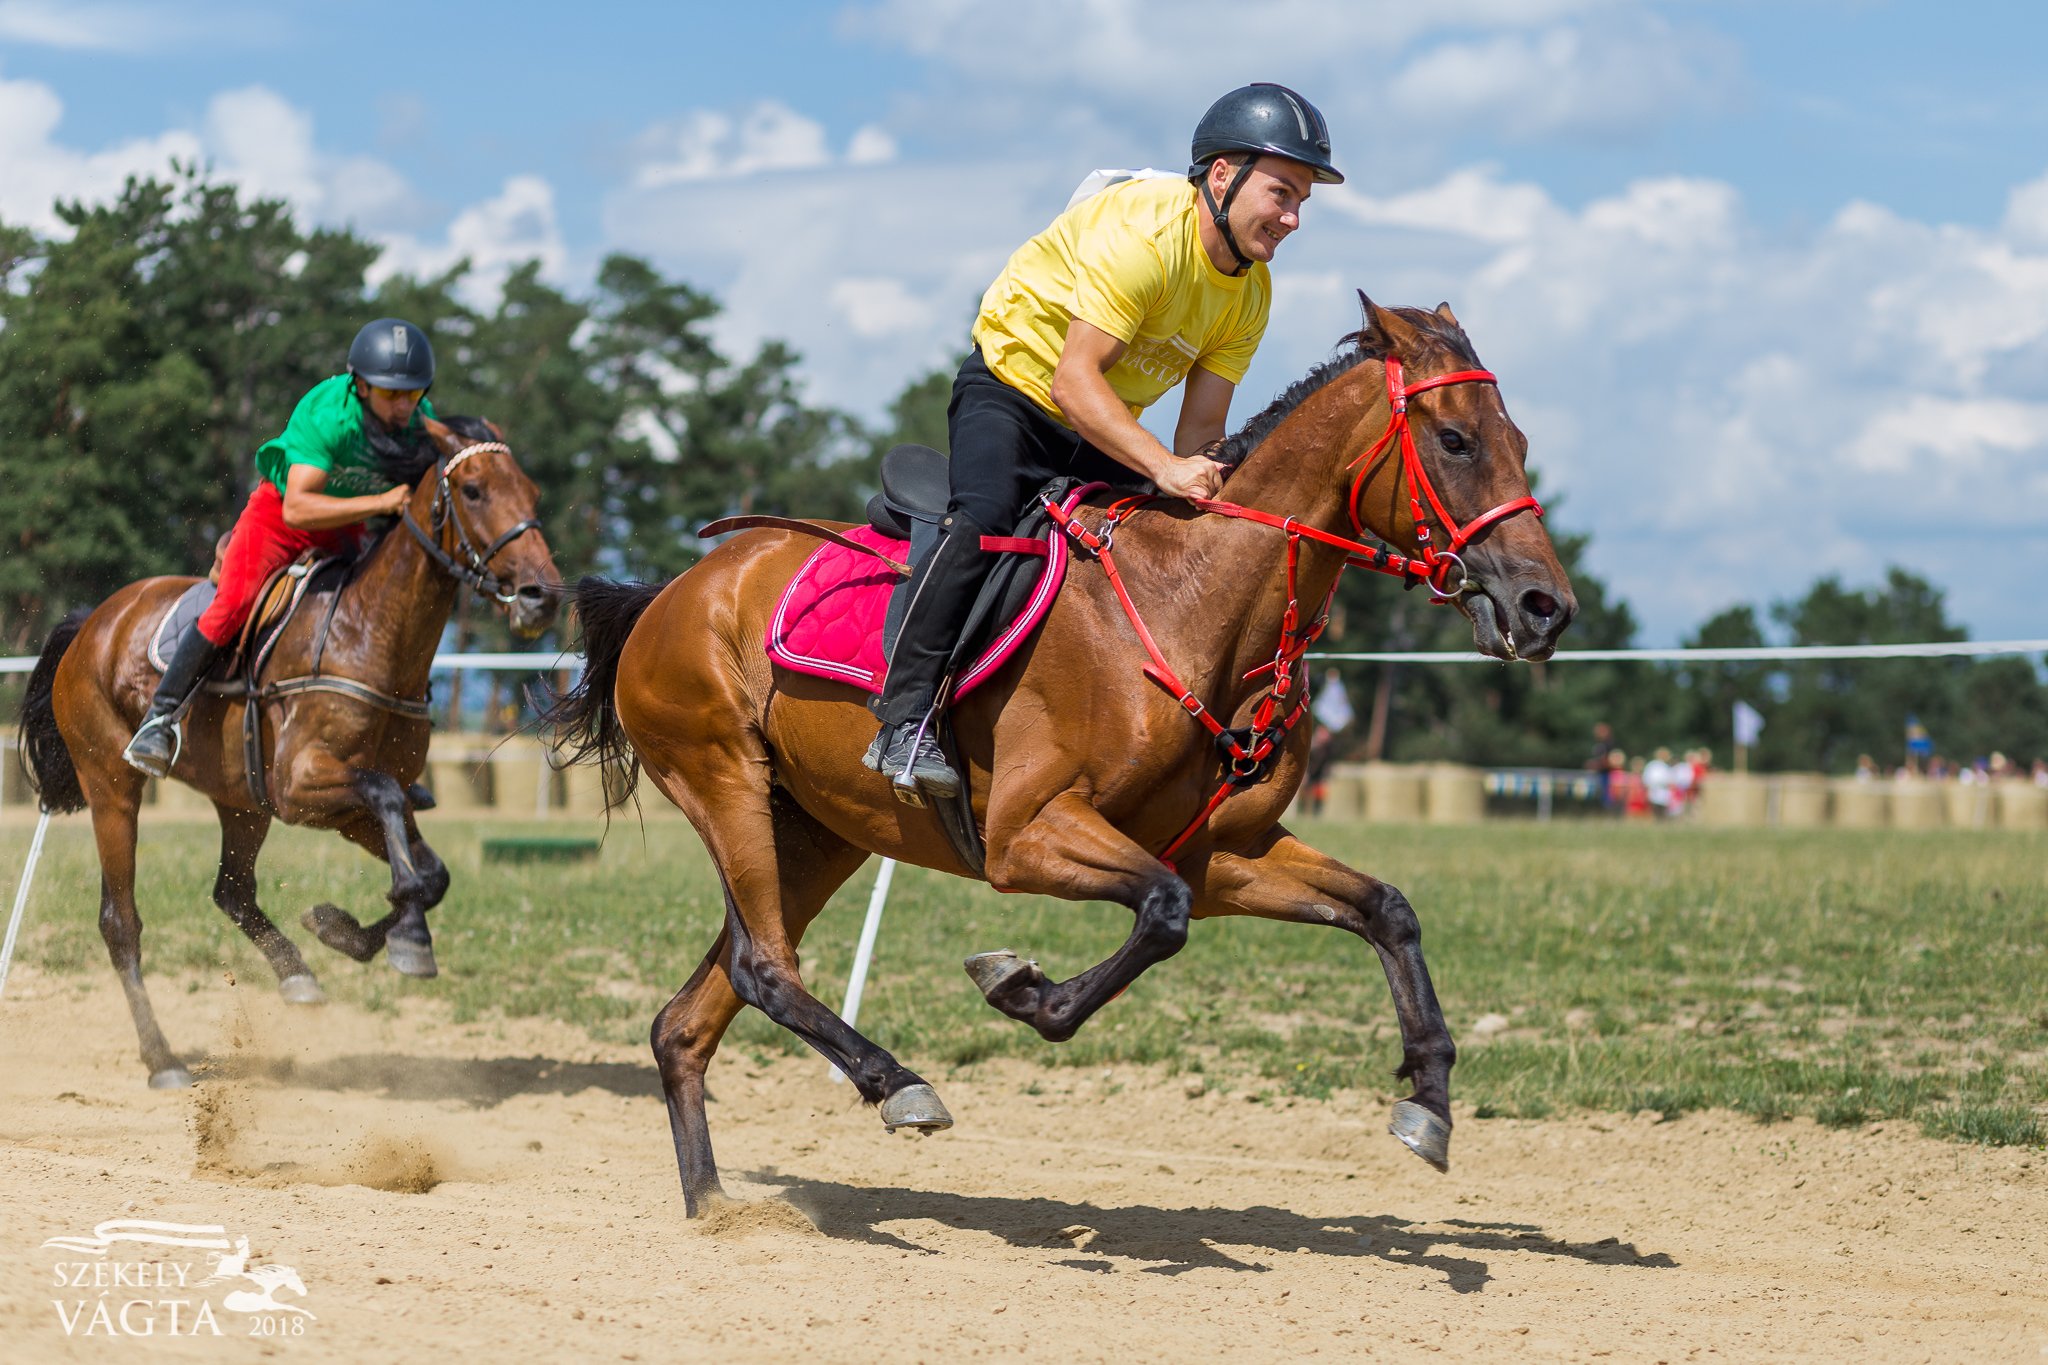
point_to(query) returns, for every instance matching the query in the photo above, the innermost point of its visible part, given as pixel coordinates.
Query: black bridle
(473, 568)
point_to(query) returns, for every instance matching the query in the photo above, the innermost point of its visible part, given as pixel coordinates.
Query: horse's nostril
(533, 593)
(1538, 605)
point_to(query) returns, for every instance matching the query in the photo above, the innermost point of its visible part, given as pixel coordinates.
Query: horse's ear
(1376, 336)
(442, 435)
(1443, 310)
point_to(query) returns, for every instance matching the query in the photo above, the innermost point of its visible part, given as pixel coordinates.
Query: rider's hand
(1194, 477)
(394, 500)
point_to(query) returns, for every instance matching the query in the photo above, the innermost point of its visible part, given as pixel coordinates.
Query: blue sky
(1767, 284)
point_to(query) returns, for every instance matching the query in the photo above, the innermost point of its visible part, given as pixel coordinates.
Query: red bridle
(1436, 563)
(1249, 753)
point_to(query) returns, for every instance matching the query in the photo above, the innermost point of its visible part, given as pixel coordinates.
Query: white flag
(1749, 724)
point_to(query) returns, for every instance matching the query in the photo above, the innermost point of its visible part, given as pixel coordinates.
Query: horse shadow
(1172, 1241)
(479, 1082)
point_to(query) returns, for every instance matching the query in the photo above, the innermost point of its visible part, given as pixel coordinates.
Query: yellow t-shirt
(1128, 260)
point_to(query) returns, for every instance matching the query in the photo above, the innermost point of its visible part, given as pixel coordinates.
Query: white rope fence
(536, 662)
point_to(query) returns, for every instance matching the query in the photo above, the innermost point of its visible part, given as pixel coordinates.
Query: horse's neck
(389, 621)
(1237, 569)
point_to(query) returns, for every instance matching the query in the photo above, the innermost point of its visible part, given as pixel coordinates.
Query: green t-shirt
(326, 431)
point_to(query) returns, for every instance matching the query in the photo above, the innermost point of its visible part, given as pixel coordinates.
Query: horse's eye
(1451, 441)
(473, 492)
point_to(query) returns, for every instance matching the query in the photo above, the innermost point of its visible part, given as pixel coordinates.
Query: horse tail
(585, 719)
(42, 743)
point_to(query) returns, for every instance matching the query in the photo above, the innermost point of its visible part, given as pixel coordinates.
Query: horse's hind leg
(114, 808)
(242, 833)
(754, 832)
(812, 864)
(1285, 879)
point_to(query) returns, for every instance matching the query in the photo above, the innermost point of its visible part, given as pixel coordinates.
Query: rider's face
(1268, 205)
(393, 407)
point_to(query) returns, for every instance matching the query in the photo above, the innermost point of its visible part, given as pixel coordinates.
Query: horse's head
(479, 509)
(1449, 479)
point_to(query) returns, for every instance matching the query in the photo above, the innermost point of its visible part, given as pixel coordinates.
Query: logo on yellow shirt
(1165, 360)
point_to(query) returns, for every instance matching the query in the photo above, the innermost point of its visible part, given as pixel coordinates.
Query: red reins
(1250, 752)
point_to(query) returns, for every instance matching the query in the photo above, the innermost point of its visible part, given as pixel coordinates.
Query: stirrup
(908, 786)
(137, 761)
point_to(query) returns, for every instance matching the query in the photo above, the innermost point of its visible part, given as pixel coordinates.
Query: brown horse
(341, 754)
(1081, 771)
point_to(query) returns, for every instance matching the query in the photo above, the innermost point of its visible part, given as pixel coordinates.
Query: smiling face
(1267, 209)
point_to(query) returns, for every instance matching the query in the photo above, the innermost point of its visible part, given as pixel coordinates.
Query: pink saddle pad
(829, 621)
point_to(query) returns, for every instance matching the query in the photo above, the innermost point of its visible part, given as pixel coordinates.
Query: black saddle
(915, 487)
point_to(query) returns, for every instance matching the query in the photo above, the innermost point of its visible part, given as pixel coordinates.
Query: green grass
(1853, 977)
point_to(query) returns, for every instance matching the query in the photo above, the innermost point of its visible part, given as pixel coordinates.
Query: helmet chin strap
(1219, 214)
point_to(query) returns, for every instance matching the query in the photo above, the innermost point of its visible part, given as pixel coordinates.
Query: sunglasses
(397, 393)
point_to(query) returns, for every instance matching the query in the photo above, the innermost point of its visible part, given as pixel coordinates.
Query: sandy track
(529, 1207)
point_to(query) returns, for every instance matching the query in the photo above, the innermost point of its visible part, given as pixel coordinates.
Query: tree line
(149, 348)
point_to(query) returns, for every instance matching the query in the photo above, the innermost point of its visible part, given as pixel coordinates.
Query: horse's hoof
(1424, 1134)
(171, 1078)
(301, 989)
(992, 971)
(915, 1106)
(411, 959)
(341, 931)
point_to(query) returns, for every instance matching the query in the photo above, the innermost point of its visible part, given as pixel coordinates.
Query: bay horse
(340, 752)
(1082, 775)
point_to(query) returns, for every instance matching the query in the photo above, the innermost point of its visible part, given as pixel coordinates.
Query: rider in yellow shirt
(1144, 285)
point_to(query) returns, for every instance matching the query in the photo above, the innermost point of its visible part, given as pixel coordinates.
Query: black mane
(472, 428)
(1351, 352)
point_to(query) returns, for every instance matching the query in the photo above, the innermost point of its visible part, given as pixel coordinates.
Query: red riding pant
(261, 544)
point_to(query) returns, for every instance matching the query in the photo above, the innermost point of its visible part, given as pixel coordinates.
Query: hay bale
(1802, 800)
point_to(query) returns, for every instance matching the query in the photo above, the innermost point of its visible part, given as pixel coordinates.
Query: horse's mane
(472, 428)
(1350, 352)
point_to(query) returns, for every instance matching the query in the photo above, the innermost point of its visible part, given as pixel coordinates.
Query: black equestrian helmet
(391, 353)
(1269, 119)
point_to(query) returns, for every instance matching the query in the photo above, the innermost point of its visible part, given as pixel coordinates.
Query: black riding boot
(943, 587)
(156, 744)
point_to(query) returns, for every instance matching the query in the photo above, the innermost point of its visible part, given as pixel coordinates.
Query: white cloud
(1395, 78)
(1604, 79)
(258, 140)
(879, 306)
(870, 147)
(39, 171)
(515, 226)
(770, 136)
(85, 25)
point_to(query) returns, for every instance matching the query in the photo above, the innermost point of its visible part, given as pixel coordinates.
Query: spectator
(1636, 797)
(1332, 707)
(2041, 772)
(1657, 782)
(1596, 762)
(1683, 789)
(1866, 768)
(1315, 786)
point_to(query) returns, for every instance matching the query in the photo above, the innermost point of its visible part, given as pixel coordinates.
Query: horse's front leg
(370, 808)
(1282, 878)
(1069, 850)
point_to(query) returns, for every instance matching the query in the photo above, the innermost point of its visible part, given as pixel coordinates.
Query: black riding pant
(1004, 449)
